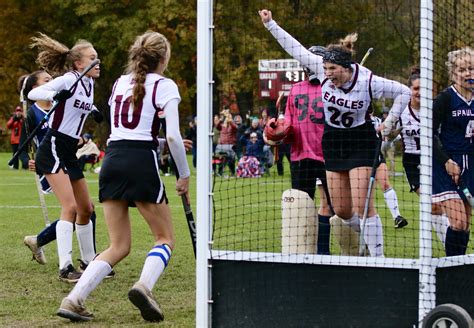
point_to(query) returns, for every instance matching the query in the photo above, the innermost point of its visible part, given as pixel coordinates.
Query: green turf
(247, 217)
(31, 293)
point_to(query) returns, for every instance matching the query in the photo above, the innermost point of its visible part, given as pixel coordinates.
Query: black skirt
(130, 172)
(411, 164)
(345, 149)
(56, 152)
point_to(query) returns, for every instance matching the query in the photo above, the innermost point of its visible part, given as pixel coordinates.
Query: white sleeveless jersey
(70, 116)
(142, 123)
(348, 108)
(410, 132)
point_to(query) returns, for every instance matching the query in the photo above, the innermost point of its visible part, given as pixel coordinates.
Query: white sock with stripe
(64, 231)
(95, 272)
(373, 235)
(392, 202)
(440, 225)
(85, 238)
(155, 263)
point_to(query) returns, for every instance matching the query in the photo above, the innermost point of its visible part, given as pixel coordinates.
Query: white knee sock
(373, 235)
(353, 222)
(85, 239)
(64, 230)
(91, 277)
(440, 225)
(392, 202)
(155, 263)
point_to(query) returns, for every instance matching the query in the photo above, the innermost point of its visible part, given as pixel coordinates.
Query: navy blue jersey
(453, 124)
(38, 116)
(34, 116)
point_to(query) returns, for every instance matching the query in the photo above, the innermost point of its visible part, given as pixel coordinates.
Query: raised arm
(292, 46)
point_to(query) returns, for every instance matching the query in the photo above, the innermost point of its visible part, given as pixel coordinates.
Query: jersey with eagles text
(345, 107)
(410, 130)
(348, 108)
(70, 115)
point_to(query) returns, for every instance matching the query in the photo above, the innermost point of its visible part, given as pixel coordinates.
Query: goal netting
(275, 253)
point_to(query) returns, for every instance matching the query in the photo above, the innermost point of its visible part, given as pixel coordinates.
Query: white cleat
(38, 253)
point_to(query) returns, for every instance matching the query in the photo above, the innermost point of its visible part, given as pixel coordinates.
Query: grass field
(31, 293)
(247, 217)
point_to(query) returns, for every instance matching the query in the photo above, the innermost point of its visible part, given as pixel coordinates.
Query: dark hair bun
(415, 70)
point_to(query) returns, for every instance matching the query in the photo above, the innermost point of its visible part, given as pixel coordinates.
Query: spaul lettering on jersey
(347, 103)
(462, 112)
(82, 105)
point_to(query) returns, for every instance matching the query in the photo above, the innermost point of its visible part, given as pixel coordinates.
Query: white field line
(29, 183)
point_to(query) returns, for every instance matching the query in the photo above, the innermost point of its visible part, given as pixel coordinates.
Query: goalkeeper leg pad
(299, 227)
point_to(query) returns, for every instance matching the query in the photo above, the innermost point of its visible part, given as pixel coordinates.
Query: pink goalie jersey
(305, 111)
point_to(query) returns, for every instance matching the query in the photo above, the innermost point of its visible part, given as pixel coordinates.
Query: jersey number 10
(121, 111)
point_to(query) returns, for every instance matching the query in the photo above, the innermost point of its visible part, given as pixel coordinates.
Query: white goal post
(425, 269)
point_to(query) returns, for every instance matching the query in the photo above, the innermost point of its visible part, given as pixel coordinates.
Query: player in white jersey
(56, 154)
(383, 181)
(349, 140)
(408, 127)
(130, 175)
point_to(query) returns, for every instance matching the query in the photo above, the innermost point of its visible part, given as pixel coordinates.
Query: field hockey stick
(44, 209)
(51, 111)
(186, 206)
(367, 198)
(328, 198)
(24, 104)
(362, 62)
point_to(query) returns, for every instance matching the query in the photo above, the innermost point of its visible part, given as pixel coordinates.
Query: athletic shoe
(74, 311)
(400, 222)
(38, 253)
(69, 274)
(143, 299)
(83, 266)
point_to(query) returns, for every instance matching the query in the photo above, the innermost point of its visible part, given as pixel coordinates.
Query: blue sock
(47, 235)
(324, 233)
(456, 242)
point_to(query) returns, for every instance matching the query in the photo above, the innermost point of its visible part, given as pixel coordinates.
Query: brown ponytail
(149, 52)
